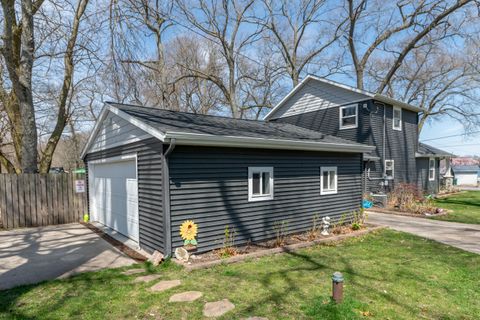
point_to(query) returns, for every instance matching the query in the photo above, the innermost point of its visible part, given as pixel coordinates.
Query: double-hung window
(397, 118)
(431, 169)
(260, 183)
(328, 180)
(389, 169)
(349, 117)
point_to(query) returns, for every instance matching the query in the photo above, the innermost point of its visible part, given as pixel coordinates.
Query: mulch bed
(117, 244)
(256, 250)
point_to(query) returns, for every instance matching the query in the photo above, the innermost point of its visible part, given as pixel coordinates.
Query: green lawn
(389, 275)
(465, 207)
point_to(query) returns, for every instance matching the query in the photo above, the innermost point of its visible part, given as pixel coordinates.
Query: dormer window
(349, 117)
(397, 118)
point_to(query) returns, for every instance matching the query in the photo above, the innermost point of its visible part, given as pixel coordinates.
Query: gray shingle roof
(174, 121)
(465, 169)
(427, 150)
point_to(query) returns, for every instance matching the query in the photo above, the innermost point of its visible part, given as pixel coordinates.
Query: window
(348, 117)
(260, 183)
(389, 169)
(328, 180)
(397, 118)
(431, 169)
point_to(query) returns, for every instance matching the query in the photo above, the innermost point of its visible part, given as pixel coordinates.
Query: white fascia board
(97, 127)
(428, 155)
(182, 138)
(397, 103)
(136, 122)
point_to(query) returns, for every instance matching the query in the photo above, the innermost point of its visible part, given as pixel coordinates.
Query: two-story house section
(374, 119)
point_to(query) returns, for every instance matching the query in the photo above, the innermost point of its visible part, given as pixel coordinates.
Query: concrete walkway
(36, 254)
(460, 235)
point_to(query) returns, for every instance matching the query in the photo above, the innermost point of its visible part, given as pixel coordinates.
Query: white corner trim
(95, 130)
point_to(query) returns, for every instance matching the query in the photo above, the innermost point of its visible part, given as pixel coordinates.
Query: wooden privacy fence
(31, 200)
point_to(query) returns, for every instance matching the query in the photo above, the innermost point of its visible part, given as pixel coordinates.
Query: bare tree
(290, 26)
(404, 24)
(223, 22)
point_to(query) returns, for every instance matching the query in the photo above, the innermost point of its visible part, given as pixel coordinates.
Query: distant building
(466, 174)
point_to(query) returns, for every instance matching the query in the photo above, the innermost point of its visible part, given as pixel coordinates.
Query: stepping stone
(255, 318)
(148, 278)
(188, 296)
(217, 308)
(165, 285)
(133, 271)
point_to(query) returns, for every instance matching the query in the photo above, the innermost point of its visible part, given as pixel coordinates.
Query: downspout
(382, 158)
(166, 199)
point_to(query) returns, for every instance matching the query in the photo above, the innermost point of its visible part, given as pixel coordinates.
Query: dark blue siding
(209, 185)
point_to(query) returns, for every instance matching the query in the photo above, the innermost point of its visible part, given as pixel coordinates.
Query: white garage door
(114, 196)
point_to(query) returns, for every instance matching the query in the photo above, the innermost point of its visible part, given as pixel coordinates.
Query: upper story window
(349, 117)
(389, 169)
(260, 183)
(397, 118)
(328, 180)
(431, 169)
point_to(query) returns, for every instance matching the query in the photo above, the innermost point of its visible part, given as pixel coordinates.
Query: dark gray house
(149, 170)
(391, 126)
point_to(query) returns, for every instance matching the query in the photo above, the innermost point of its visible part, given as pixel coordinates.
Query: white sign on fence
(79, 186)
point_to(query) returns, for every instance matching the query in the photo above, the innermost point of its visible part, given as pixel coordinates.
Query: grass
(388, 275)
(465, 207)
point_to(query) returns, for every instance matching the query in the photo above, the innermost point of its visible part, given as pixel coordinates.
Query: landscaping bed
(256, 250)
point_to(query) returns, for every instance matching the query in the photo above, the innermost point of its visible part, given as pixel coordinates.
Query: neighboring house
(371, 119)
(149, 170)
(466, 174)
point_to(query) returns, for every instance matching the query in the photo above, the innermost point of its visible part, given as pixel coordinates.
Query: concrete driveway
(36, 254)
(460, 235)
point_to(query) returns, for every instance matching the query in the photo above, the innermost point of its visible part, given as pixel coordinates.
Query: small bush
(316, 225)
(281, 232)
(408, 198)
(228, 248)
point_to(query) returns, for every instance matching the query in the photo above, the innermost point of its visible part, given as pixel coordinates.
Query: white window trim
(352, 126)
(431, 169)
(328, 169)
(251, 197)
(393, 169)
(393, 118)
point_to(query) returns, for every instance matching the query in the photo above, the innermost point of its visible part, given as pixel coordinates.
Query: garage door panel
(115, 196)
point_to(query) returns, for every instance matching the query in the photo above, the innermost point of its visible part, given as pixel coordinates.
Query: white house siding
(116, 131)
(466, 178)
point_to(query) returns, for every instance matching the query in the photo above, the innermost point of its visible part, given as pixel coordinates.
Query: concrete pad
(461, 235)
(217, 308)
(187, 296)
(147, 278)
(165, 285)
(133, 271)
(32, 255)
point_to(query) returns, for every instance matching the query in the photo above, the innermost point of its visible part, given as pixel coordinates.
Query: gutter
(166, 198)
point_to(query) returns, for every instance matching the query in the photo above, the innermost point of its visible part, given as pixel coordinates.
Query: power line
(454, 135)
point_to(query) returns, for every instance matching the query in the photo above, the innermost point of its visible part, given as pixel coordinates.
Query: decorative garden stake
(188, 232)
(325, 226)
(337, 287)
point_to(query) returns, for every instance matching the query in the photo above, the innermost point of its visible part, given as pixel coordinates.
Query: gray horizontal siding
(150, 206)
(115, 131)
(399, 145)
(209, 185)
(423, 182)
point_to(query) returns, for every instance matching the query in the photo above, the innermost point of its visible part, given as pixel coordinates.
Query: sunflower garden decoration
(188, 232)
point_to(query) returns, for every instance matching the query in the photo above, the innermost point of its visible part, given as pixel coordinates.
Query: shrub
(313, 232)
(281, 232)
(228, 248)
(408, 198)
